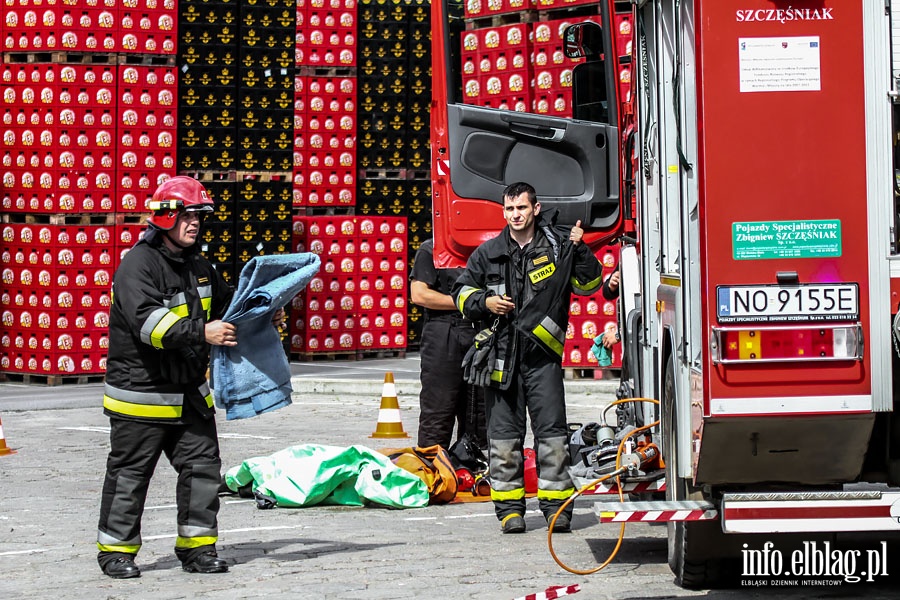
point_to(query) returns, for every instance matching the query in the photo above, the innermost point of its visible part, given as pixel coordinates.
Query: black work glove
(479, 360)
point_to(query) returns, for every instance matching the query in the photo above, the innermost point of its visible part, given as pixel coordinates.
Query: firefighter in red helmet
(166, 312)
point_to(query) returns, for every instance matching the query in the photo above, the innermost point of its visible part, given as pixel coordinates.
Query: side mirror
(583, 40)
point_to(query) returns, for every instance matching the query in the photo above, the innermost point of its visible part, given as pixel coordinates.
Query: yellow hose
(617, 474)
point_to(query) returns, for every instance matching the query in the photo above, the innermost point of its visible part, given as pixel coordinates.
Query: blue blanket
(255, 376)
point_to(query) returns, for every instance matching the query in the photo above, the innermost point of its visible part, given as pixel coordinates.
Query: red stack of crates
(520, 67)
(140, 26)
(147, 129)
(56, 304)
(84, 143)
(357, 301)
(86, 138)
(325, 113)
(622, 34)
(330, 141)
(496, 67)
(552, 68)
(589, 317)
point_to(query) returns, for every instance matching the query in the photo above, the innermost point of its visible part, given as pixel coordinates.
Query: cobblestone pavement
(50, 490)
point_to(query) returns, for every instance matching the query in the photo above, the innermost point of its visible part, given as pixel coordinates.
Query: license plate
(774, 303)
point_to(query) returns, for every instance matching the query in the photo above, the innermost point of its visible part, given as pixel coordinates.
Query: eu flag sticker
(724, 298)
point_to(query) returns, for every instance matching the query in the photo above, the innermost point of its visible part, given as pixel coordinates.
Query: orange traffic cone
(4, 449)
(389, 425)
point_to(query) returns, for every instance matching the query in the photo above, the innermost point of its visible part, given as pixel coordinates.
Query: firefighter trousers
(536, 389)
(446, 399)
(135, 448)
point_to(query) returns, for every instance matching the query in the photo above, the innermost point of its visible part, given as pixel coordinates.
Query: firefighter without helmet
(177, 194)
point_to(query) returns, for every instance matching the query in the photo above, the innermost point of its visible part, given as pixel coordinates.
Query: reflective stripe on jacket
(158, 354)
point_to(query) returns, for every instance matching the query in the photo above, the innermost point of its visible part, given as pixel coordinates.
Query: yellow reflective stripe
(164, 325)
(181, 310)
(209, 400)
(508, 517)
(497, 376)
(205, 292)
(516, 494)
(195, 542)
(141, 410)
(588, 287)
(548, 339)
(554, 494)
(463, 296)
(124, 549)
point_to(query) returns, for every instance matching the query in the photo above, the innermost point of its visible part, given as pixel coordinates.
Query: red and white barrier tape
(554, 591)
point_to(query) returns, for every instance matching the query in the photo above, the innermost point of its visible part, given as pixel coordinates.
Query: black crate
(265, 16)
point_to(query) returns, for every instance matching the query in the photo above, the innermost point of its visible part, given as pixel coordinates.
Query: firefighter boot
(513, 523)
(119, 565)
(205, 562)
(563, 523)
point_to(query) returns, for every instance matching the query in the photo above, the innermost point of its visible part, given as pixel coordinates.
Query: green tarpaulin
(311, 474)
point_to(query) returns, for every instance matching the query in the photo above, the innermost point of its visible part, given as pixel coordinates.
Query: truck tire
(690, 542)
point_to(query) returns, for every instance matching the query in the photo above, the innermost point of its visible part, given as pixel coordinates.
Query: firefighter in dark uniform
(519, 284)
(166, 309)
(445, 399)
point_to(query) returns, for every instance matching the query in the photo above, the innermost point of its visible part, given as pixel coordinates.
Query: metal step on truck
(748, 173)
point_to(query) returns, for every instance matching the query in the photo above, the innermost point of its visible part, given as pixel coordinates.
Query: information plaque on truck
(754, 240)
(775, 303)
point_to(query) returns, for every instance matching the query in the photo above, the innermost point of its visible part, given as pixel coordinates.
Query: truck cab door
(476, 152)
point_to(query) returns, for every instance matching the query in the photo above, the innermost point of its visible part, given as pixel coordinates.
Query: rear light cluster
(589, 317)
(358, 300)
(786, 344)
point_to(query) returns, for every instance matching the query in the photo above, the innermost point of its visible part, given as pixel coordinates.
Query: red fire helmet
(177, 194)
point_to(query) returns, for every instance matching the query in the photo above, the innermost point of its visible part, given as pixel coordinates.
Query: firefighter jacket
(539, 279)
(158, 354)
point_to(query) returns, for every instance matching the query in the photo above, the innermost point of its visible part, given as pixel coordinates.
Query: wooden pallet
(607, 373)
(206, 176)
(265, 176)
(326, 71)
(510, 18)
(370, 354)
(65, 218)
(325, 210)
(52, 380)
(381, 174)
(161, 60)
(58, 57)
(322, 356)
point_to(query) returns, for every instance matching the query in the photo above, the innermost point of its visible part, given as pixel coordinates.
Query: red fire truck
(750, 170)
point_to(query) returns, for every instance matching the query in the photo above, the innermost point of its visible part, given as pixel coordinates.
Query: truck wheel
(690, 542)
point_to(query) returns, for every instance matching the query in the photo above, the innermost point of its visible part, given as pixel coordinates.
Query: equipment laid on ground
(742, 156)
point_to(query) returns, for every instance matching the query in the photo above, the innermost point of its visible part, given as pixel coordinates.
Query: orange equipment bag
(432, 465)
